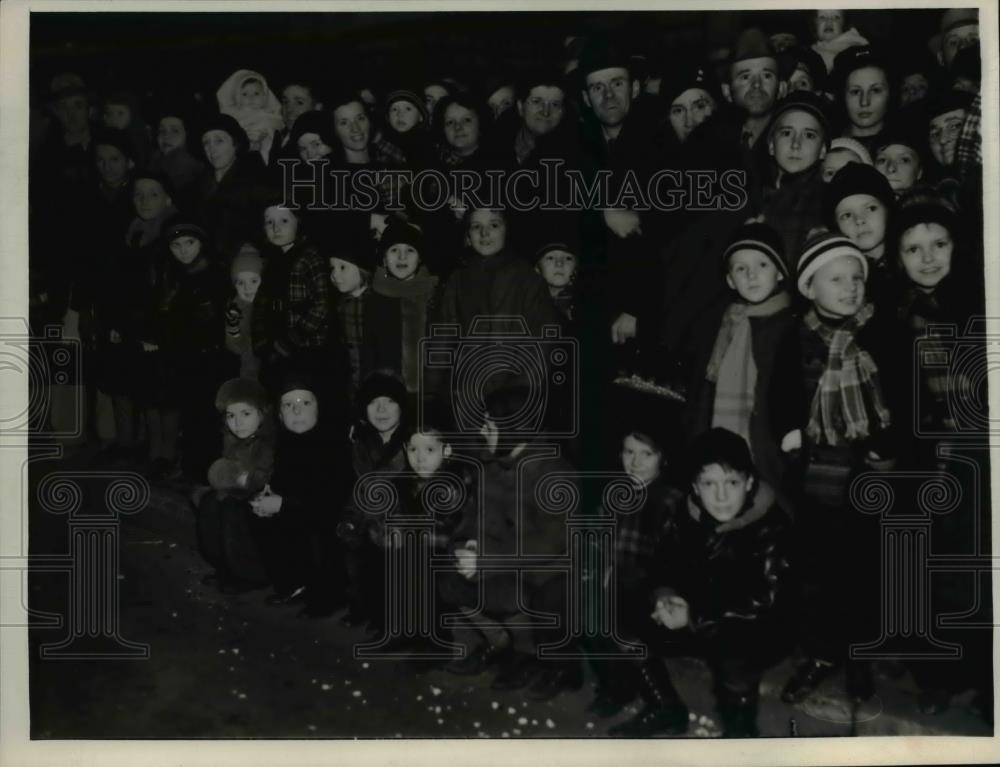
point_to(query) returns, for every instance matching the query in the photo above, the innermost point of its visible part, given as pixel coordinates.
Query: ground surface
(236, 667)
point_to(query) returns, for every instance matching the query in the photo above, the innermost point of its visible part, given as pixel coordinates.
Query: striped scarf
(732, 367)
(848, 395)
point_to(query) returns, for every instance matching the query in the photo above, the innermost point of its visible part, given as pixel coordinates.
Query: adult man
(754, 83)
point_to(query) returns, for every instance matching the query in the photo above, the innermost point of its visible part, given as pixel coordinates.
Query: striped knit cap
(759, 237)
(822, 248)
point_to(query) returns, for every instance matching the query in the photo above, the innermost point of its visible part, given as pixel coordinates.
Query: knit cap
(408, 96)
(855, 178)
(182, 226)
(381, 384)
(822, 248)
(846, 142)
(242, 390)
(228, 124)
(802, 101)
(399, 230)
(723, 447)
(761, 238)
(248, 259)
(924, 210)
(678, 79)
(752, 44)
(117, 138)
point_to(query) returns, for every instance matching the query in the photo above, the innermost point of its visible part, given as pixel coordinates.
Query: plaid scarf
(848, 394)
(732, 367)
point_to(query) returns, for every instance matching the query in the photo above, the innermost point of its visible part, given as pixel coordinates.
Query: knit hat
(117, 138)
(320, 123)
(723, 447)
(248, 259)
(846, 142)
(564, 245)
(761, 238)
(228, 124)
(947, 101)
(802, 101)
(924, 210)
(793, 58)
(183, 226)
(852, 59)
(381, 383)
(243, 390)
(678, 79)
(296, 380)
(855, 178)
(822, 248)
(399, 230)
(409, 97)
(359, 253)
(752, 44)
(159, 177)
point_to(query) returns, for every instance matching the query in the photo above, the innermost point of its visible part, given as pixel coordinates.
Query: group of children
(201, 285)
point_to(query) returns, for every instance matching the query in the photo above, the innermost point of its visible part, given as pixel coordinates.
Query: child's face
(299, 410)
(403, 116)
(829, 24)
(281, 226)
(461, 129)
(311, 147)
(117, 116)
(149, 198)
(925, 251)
(185, 249)
(383, 413)
(801, 80)
(640, 460)
(943, 135)
(295, 100)
(543, 108)
(425, 453)
(753, 275)
(689, 110)
(352, 126)
(557, 268)
(247, 284)
(837, 289)
(242, 419)
(722, 492)
(487, 232)
(913, 88)
(219, 149)
(862, 218)
(345, 276)
(900, 165)
(402, 260)
(754, 85)
(112, 165)
(836, 159)
(171, 134)
(432, 95)
(867, 97)
(797, 141)
(501, 100)
(252, 95)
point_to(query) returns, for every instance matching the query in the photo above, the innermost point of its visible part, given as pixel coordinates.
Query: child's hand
(241, 479)
(115, 337)
(467, 557)
(623, 328)
(265, 505)
(671, 612)
(233, 317)
(624, 223)
(791, 441)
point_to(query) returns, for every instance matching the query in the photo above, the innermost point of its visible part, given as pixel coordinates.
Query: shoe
(807, 678)
(934, 701)
(858, 681)
(294, 596)
(480, 659)
(606, 705)
(664, 713)
(555, 679)
(517, 674)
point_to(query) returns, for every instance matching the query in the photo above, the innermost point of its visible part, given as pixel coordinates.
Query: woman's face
(149, 198)
(311, 147)
(353, 128)
(867, 97)
(171, 134)
(219, 149)
(689, 110)
(461, 129)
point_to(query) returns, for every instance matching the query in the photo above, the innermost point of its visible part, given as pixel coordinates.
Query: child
(407, 127)
(297, 511)
(715, 589)
(122, 113)
(246, 97)
(743, 372)
(244, 469)
(898, 155)
(351, 275)
(173, 157)
(833, 35)
(858, 204)
(412, 290)
(847, 358)
(556, 262)
(245, 276)
(843, 150)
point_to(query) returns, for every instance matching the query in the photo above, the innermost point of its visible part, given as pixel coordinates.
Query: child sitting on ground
(246, 97)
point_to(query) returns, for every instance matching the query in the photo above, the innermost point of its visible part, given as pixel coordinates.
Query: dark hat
(399, 230)
(954, 18)
(968, 63)
(907, 128)
(924, 210)
(158, 176)
(678, 79)
(117, 138)
(948, 101)
(248, 259)
(602, 52)
(183, 226)
(752, 44)
(803, 101)
(313, 121)
(228, 124)
(791, 59)
(564, 245)
(66, 84)
(760, 237)
(723, 447)
(296, 380)
(244, 390)
(852, 59)
(359, 252)
(820, 249)
(409, 97)
(855, 178)
(381, 383)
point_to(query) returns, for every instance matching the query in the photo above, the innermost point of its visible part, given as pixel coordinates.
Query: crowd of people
(742, 361)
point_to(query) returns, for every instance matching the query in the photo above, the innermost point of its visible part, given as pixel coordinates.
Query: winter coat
(413, 303)
(312, 473)
(231, 207)
(254, 455)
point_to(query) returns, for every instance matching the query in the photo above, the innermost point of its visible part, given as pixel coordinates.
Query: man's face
(73, 112)
(862, 218)
(957, 39)
(754, 85)
(900, 164)
(837, 289)
(722, 491)
(295, 100)
(609, 92)
(943, 135)
(689, 110)
(542, 109)
(112, 165)
(797, 141)
(299, 410)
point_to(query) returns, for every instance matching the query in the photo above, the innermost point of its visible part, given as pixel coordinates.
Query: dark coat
(231, 209)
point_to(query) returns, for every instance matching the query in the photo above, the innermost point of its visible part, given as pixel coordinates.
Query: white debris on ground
(550, 724)
(435, 690)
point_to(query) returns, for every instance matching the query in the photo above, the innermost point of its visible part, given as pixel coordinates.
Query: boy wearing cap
(898, 155)
(846, 358)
